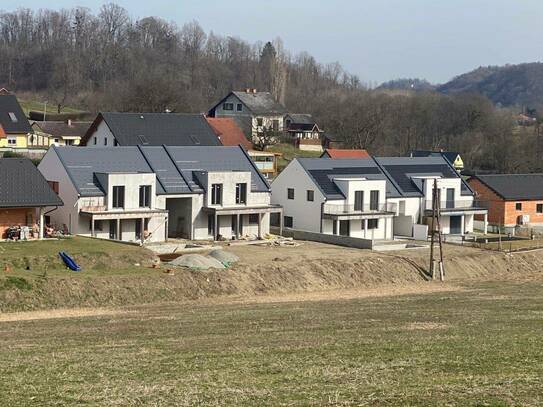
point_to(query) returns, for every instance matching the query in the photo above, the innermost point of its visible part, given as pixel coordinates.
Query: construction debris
(197, 262)
(224, 257)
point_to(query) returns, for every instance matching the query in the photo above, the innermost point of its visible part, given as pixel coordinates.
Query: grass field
(28, 105)
(289, 152)
(480, 345)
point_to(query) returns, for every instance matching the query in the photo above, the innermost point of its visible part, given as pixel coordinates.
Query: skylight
(13, 117)
(194, 139)
(143, 139)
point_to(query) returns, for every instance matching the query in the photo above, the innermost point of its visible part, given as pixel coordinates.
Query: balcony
(456, 206)
(356, 210)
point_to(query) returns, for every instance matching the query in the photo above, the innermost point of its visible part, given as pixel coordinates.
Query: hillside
(506, 85)
(411, 84)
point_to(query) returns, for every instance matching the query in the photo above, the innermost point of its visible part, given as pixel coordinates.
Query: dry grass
(479, 346)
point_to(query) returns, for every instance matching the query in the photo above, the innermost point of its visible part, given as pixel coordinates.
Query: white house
(412, 180)
(340, 197)
(254, 111)
(156, 192)
(373, 198)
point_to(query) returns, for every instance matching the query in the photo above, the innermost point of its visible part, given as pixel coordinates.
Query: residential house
(58, 133)
(24, 195)
(341, 154)
(255, 112)
(451, 156)
(339, 197)
(14, 126)
(149, 129)
(412, 182)
(150, 193)
(512, 200)
(230, 134)
(303, 132)
(374, 198)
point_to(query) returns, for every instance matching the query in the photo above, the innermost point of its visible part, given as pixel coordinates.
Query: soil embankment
(265, 272)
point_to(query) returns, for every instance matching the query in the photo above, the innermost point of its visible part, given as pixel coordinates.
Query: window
(210, 224)
(259, 121)
(288, 221)
(373, 223)
(57, 140)
(310, 195)
(358, 200)
(54, 186)
(194, 139)
(518, 206)
(216, 194)
(290, 193)
(374, 200)
(105, 141)
(115, 142)
(97, 224)
(539, 208)
(275, 125)
(13, 117)
(143, 139)
(228, 106)
(241, 193)
(69, 142)
(12, 141)
(239, 107)
(253, 219)
(145, 196)
(118, 196)
(95, 141)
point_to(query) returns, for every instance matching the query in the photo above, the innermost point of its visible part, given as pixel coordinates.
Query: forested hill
(508, 85)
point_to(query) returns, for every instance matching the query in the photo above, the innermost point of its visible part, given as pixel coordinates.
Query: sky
(378, 40)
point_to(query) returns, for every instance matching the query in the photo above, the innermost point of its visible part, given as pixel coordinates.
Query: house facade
(24, 195)
(512, 200)
(14, 126)
(149, 129)
(303, 132)
(57, 133)
(374, 198)
(150, 193)
(344, 197)
(255, 112)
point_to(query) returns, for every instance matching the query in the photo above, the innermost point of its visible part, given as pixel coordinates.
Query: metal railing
(335, 209)
(456, 204)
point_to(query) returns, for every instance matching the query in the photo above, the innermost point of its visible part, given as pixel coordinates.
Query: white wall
(404, 221)
(131, 183)
(306, 215)
(101, 134)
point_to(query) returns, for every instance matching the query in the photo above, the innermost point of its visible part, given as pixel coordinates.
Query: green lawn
(289, 152)
(28, 105)
(481, 345)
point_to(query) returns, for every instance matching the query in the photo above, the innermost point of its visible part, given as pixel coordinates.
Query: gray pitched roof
(22, 185)
(400, 171)
(155, 129)
(19, 123)
(515, 186)
(448, 155)
(174, 166)
(63, 129)
(324, 170)
(301, 118)
(261, 103)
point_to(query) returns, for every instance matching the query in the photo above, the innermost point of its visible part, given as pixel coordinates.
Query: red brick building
(511, 199)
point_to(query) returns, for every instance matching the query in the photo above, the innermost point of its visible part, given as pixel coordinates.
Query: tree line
(109, 61)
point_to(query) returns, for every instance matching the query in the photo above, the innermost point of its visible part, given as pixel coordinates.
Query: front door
(455, 225)
(112, 229)
(344, 227)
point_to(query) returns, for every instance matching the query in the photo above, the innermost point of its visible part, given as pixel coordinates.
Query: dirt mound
(197, 262)
(226, 258)
(269, 271)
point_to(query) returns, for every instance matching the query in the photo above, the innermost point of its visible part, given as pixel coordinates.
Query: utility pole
(435, 234)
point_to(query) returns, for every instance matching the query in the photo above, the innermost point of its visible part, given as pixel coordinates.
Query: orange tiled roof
(228, 132)
(2, 132)
(340, 153)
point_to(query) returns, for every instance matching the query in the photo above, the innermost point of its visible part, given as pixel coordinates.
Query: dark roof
(9, 106)
(324, 170)
(22, 185)
(261, 103)
(155, 129)
(514, 186)
(174, 166)
(449, 155)
(301, 122)
(400, 171)
(63, 129)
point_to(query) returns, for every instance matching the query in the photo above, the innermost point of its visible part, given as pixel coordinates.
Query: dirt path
(59, 313)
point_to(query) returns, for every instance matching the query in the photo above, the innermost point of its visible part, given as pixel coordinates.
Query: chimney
(248, 90)
(254, 90)
(70, 122)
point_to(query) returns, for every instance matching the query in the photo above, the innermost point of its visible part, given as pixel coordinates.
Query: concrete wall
(306, 214)
(330, 239)
(131, 183)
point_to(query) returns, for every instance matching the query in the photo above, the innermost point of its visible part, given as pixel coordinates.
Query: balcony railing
(456, 204)
(335, 209)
